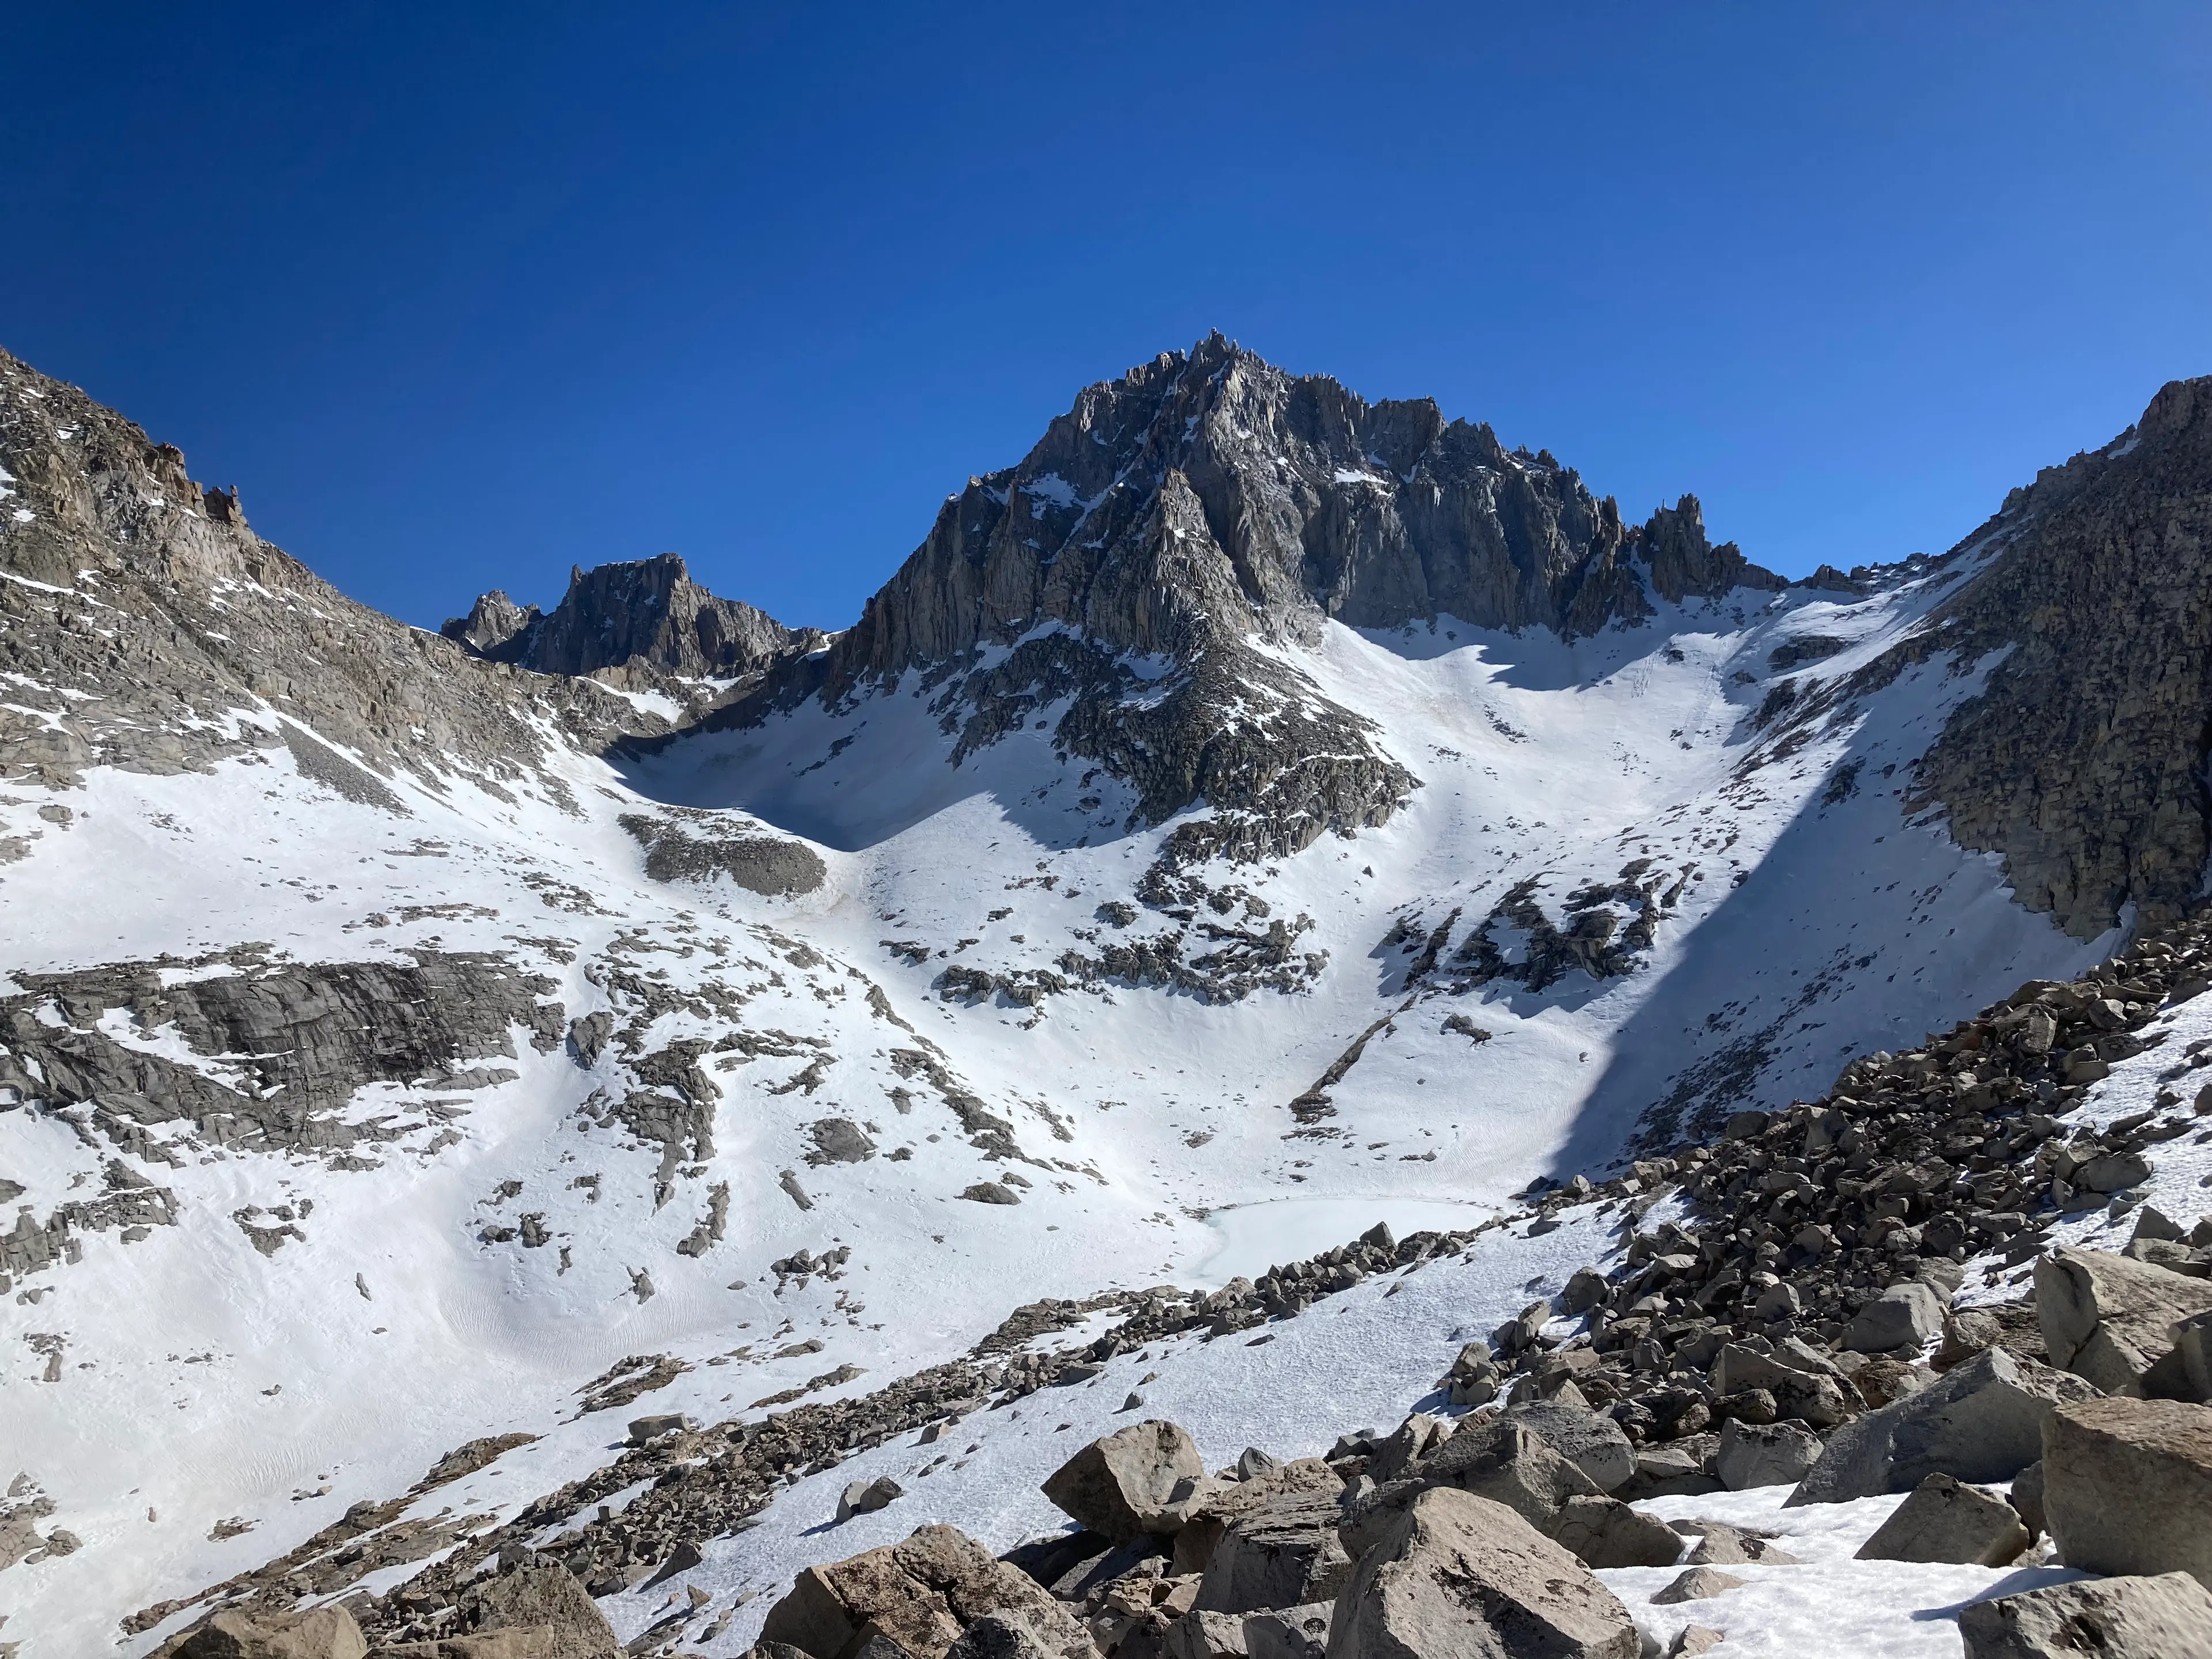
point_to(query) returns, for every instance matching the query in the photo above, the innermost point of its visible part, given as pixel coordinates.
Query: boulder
(1693, 1640)
(999, 1636)
(1290, 1633)
(1696, 1585)
(1763, 1454)
(644, 1429)
(1802, 1382)
(1676, 1468)
(1604, 1532)
(2112, 1172)
(2111, 1320)
(1592, 1443)
(2010, 1325)
(1943, 1520)
(2026, 1496)
(866, 1496)
(2193, 1341)
(2127, 1487)
(1500, 1460)
(1981, 1421)
(1905, 1316)
(328, 1632)
(549, 1595)
(1126, 1484)
(1720, 1545)
(919, 1594)
(1283, 1553)
(1204, 1636)
(1459, 1577)
(1214, 1506)
(2151, 1618)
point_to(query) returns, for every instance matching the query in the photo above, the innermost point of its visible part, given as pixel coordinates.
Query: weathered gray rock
(2127, 1487)
(1199, 1635)
(1906, 1316)
(1002, 1636)
(1720, 1545)
(1697, 1585)
(1804, 1385)
(1765, 1454)
(2111, 1320)
(1592, 1443)
(1458, 1577)
(1604, 1532)
(1943, 1520)
(1982, 1421)
(550, 1598)
(2025, 1496)
(919, 1594)
(1285, 1553)
(1289, 1633)
(866, 1496)
(1501, 1460)
(2129, 1618)
(234, 1633)
(1693, 1640)
(1125, 1484)
(1674, 1469)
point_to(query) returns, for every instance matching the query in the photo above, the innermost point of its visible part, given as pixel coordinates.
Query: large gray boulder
(1604, 1532)
(2111, 1320)
(1765, 1454)
(1905, 1315)
(1458, 1577)
(1285, 1553)
(999, 1636)
(920, 1594)
(1981, 1421)
(328, 1632)
(1593, 1445)
(550, 1597)
(1944, 1520)
(1289, 1632)
(1805, 1383)
(1502, 1459)
(1126, 1484)
(1215, 1505)
(2161, 1618)
(2127, 1487)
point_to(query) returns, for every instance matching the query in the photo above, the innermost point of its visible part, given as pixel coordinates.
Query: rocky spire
(648, 613)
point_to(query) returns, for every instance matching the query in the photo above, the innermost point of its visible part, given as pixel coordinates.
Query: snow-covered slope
(840, 980)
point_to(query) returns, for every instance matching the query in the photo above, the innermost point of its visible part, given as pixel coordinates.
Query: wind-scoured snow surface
(201, 1381)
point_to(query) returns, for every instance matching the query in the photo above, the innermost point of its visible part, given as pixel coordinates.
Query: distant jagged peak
(645, 616)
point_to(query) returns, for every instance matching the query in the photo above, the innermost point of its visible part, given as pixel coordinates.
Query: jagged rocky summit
(1138, 570)
(643, 617)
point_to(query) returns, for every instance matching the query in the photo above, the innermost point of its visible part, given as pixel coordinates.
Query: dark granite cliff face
(2084, 760)
(646, 615)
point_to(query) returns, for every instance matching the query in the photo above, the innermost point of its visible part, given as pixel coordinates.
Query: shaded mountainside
(2084, 761)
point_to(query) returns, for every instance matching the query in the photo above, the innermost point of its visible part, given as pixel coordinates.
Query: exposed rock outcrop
(2084, 761)
(647, 614)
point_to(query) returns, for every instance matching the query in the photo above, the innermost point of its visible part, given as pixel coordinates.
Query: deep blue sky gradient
(459, 295)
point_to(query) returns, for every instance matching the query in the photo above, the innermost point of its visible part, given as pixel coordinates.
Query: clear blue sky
(460, 295)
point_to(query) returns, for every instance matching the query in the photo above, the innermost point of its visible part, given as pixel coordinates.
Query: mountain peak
(647, 616)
